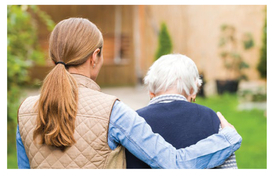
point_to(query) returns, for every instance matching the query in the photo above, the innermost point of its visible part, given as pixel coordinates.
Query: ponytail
(57, 109)
(70, 45)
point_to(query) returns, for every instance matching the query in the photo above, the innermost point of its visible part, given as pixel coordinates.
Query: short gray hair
(173, 71)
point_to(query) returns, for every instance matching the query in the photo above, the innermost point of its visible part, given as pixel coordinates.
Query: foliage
(251, 95)
(22, 52)
(262, 66)
(251, 125)
(165, 43)
(233, 61)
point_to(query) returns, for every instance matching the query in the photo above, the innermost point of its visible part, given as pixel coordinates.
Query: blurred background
(227, 43)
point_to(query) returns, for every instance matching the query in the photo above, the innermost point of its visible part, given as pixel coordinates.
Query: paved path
(134, 97)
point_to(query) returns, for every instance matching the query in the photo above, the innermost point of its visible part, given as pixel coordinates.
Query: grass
(12, 161)
(251, 125)
(11, 153)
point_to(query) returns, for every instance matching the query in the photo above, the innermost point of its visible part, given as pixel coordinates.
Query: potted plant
(232, 59)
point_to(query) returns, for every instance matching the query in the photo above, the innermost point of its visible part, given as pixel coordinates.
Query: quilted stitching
(91, 149)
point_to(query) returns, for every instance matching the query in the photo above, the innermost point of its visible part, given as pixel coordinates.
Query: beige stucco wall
(174, 17)
(195, 32)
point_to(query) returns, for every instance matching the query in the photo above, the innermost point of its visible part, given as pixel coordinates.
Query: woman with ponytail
(72, 124)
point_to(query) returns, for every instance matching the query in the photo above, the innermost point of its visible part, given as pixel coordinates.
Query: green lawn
(12, 161)
(251, 125)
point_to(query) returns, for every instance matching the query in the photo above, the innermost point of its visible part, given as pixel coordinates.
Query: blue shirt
(128, 129)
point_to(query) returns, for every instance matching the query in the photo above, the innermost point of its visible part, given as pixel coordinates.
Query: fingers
(224, 122)
(221, 118)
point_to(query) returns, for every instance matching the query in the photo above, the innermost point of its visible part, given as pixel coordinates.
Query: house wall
(204, 34)
(174, 17)
(104, 17)
(195, 32)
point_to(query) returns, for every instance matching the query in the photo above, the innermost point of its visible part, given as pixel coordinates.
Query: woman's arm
(22, 159)
(131, 131)
(230, 163)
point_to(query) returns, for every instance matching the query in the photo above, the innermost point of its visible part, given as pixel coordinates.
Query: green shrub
(262, 66)
(22, 52)
(165, 43)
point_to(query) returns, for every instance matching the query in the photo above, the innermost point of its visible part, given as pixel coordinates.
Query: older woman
(173, 82)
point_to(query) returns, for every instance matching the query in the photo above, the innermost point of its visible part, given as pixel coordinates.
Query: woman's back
(91, 149)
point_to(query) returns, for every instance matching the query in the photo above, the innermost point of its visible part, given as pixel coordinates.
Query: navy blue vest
(180, 123)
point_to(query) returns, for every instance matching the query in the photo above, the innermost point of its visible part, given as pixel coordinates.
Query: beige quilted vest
(91, 149)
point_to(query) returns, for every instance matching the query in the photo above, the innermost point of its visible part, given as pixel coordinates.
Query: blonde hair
(72, 42)
(173, 71)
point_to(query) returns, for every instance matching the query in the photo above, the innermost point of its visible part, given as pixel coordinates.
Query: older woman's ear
(192, 97)
(151, 95)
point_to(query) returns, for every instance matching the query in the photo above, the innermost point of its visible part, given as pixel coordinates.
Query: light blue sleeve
(22, 159)
(229, 163)
(131, 131)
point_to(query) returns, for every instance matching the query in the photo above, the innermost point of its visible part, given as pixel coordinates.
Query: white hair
(173, 71)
